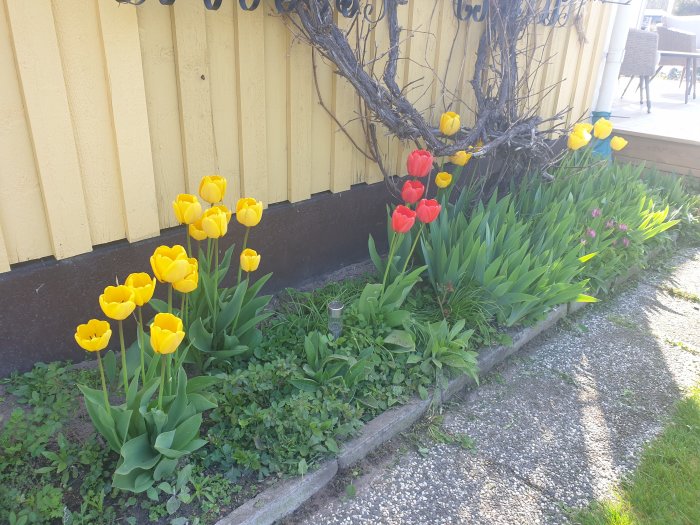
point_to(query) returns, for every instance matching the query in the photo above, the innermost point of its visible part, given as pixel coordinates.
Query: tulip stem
(245, 245)
(104, 383)
(142, 344)
(168, 361)
(189, 242)
(121, 345)
(170, 298)
(392, 248)
(413, 247)
(162, 382)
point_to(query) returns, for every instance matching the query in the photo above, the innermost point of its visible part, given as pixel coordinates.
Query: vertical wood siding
(108, 111)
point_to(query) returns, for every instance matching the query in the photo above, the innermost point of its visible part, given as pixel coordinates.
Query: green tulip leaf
(201, 383)
(164, 469)
(137, 454)
(136, 481)
(231, 309)
(200, 337)
(201, 403)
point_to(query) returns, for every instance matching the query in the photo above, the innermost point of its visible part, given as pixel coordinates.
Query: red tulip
(412, 191)
(419, 163)
(403, 219)
(427, 210)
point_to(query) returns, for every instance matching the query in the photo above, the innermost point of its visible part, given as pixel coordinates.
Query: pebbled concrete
(556, 426)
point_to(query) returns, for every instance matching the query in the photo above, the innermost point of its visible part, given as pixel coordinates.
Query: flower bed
(220, 396)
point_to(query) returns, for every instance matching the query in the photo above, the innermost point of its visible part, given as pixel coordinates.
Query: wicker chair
(640, 61)
(675, 40)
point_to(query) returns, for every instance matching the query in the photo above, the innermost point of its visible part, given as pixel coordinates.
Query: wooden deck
(668, 137)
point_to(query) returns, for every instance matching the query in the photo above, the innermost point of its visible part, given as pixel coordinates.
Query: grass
(665, 488)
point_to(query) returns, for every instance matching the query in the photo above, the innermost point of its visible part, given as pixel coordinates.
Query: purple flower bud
(610, 224)
(591, 233)
(623, 227)
(625, 242)
(596, 212)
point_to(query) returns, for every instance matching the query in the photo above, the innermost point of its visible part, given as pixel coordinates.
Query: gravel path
(553, 428)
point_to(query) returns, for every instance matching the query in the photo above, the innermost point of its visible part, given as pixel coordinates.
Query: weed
(683, 346)
(681, 294)
(622, 321)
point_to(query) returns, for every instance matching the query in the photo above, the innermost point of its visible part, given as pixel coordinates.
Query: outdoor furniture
(688, 24)
(640, 61)
(691, 62)
(675, 40)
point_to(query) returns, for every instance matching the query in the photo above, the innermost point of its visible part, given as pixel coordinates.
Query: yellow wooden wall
(107, 111)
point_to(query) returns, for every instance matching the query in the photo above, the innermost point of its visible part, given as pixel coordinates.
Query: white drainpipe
(624, 18)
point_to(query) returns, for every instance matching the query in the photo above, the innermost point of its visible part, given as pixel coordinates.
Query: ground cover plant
(220, 394)
(665, 487)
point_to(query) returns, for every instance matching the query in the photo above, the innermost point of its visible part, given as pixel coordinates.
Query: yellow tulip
(117, 302)
(602, 128)
(170, 264)
(449, 123)
(443, 179)
(196, 230)
(249, 212)
(618, 143)
(578, 139)
(250, 260)
(143, 286)
(585, 126)
(460, 158)
(187, 208)
(212, 188)
(215, 221)
(166, 333)
(93, 336)
(189, 283)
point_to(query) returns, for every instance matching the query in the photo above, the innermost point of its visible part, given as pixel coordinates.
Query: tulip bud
(419, 163)
(583, 126)
(443, 179)
(449, 123)
(117, 302)
(170, 264)
(212, 188)
(249, 212)
(215, 221)
(250, 260)
(427, 210)
(460, 158)
(578, 139)
(191, 280)
(618, 143)
(93, 336)
(187, 208)
(166, 333)
(196, 230)
(403, 219)
(602, 128)
(412, 191)
(143, 286)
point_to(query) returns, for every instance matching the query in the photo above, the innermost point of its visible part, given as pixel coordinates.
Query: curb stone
(282, 499)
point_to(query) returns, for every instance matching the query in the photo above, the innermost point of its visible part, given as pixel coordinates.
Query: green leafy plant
(150, 437)
(444, 348)
(324, 367)
(233, 331)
